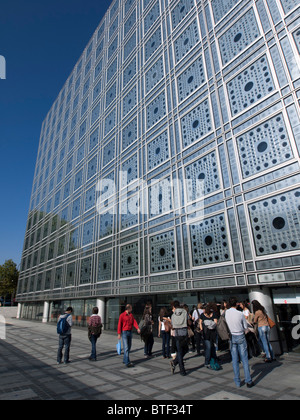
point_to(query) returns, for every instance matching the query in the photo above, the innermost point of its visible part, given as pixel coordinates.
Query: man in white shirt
(237, 324)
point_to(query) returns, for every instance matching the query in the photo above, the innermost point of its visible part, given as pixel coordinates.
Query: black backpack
(96, 331)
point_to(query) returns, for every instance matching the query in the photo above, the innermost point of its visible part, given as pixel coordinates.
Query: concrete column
(263, 296)
(19, 311)
(101, 307)
(46, 312)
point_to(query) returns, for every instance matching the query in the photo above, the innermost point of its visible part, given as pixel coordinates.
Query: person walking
(125, 327)
(238, 326)
(208, 326)
(148, 325)
(264, 330)
(164, 331)
(64, 329)
(180, 326)
(94, 332)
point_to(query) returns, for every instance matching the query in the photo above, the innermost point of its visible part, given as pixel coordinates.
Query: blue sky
(41, 42)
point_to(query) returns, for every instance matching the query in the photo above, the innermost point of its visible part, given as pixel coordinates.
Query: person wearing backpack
(180, 327)
(208, 325)
(238, 326)
(64, 330)
(94, 332)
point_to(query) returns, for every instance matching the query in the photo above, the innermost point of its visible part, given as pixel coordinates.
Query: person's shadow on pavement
(261, 370)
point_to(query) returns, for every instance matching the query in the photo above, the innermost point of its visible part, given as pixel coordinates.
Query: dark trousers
(149, 345)
(198, 339)
(64, 341)
(252, 345)
(165, 343)
(192, 339)
(182, 350)
(173, 345)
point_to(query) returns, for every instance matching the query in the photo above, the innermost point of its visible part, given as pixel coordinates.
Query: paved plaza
(29, 371)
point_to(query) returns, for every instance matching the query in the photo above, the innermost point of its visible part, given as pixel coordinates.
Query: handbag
(190, 333)
(223, 329)
(119, 348)
(168, 325)
(271, 323)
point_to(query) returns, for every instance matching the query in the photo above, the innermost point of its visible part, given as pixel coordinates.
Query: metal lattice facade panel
(168, 91)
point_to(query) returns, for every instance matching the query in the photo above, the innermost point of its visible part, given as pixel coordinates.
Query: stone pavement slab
(29, 371)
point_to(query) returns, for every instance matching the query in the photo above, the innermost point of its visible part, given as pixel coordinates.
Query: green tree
(9, 276)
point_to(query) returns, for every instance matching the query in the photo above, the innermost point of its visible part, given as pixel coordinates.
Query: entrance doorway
(287, 307)
(285, 314)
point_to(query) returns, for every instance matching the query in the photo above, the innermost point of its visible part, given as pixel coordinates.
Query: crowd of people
(232, 325)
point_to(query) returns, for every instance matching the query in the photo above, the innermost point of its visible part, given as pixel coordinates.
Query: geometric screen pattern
(165, 98)
(210, 241)
(239, 36)
(276, 223)
(250, 86)
(265, 146)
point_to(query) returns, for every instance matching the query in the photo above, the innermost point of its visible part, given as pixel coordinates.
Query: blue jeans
(64, 341)
(127, 342)
(239, 350)
(165, 343)
(264, 335)
(94, 351)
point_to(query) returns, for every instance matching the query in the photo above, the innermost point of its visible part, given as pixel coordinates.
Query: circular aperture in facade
(237, 37)
(249, 86)
(262, 146)
(162, 252)
(208, 240)
(279, 223)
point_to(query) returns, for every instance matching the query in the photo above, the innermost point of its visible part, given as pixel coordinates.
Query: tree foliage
(9, 276)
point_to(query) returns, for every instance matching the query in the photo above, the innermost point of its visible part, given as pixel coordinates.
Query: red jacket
(126, 322)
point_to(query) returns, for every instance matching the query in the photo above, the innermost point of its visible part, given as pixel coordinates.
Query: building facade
(169, 96)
